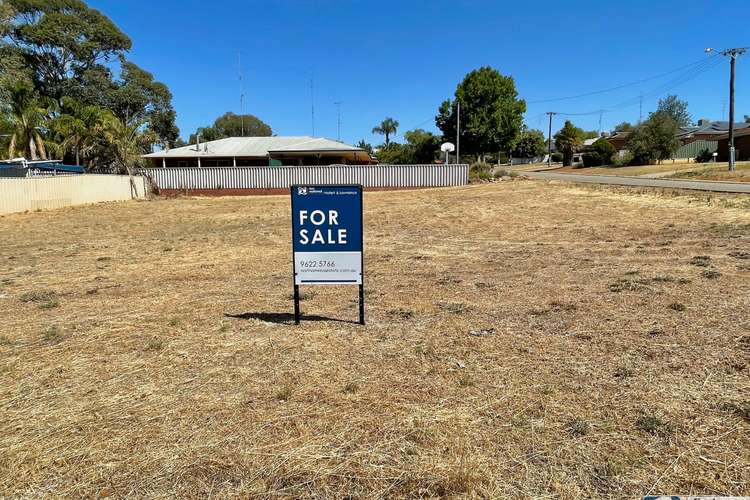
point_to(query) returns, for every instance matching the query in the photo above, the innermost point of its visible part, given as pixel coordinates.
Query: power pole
(338, 120)
(549, 139)
(732, 53)
(458, 132)
(601, 113)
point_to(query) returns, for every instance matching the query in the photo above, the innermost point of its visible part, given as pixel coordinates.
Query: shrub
(592, 159)
(624, 160)
(480, 172)
(557, 157)
(704, 156)
(605, 150)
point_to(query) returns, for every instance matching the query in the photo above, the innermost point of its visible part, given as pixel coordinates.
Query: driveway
(718, 187)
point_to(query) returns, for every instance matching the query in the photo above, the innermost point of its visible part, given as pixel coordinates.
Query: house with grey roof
(703, 136)
(262, 151)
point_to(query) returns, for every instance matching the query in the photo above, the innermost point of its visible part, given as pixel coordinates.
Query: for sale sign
(327, 239)
(327, 235)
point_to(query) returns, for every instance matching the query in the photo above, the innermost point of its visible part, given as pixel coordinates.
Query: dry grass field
(523, 339)
(717, 173)
(669, 169)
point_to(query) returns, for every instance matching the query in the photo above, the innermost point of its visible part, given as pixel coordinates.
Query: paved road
(718, 187)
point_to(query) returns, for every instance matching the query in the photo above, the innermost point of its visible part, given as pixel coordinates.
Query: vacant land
(716, 173)
(668, 169)
(523, 339)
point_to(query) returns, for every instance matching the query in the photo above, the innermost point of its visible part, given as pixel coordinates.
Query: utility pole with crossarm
(549, 139)
(732, 53)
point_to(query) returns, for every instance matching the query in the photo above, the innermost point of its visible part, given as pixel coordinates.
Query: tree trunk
(32, 148)
(12, 147)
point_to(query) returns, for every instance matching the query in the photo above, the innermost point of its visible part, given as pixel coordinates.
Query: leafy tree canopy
(135, 96)
(233, 125)
(590, 134)
(387, 128)
(59, 39)
(421, 147)
(530, 145)
(81, 95)
(362, 144)
(676, 109)
(623, 127)
(600, 153)
(491, 113)
(569, 140)
(655, 139)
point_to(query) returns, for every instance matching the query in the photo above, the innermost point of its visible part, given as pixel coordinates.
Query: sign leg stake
(361, 304)
(296, 305)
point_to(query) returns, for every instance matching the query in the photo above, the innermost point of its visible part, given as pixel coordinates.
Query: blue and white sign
(327, 235)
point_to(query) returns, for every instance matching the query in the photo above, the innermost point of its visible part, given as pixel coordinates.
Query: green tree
(421, 147)
(590, 134)
(233, 125)
(569, 140)
(128, 142)
(623, 127)
(530, 145)
(655, 139)
(135, 96)
(491, 113)
(59, 39)
(362, 144)
(387, 128)
(24, 121)
(676, 109)
(600, 153)
(80, 127)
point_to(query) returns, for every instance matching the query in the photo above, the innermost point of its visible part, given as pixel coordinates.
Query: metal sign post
(327, 239)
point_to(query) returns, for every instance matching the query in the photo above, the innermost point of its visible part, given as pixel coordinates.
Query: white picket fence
(369, 176)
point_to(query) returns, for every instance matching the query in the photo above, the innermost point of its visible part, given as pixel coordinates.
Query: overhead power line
(695, 71)
(619, 87)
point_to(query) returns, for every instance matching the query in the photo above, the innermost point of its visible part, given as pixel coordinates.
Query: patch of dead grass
(164, 384)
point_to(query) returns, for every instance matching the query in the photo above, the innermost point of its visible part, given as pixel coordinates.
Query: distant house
(262, 151)
(703, 136)
(619, 140)
(741, 145)
(707, 130)
(693, 139)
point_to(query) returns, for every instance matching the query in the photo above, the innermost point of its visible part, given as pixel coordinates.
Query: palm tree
(387, 127)
(128, 142)
(569, 140)
(81, 126)
(24, 120)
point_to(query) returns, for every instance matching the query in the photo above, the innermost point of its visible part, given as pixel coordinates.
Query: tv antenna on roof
(242, 93)
(338, 119)
(312, 101)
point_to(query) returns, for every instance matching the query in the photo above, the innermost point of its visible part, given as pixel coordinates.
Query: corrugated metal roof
(737, 133)
(712, 128)
(255, 147)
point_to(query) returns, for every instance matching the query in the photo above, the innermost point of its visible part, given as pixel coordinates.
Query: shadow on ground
(285, 318)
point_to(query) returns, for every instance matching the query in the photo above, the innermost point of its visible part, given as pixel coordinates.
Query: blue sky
(403, 58)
